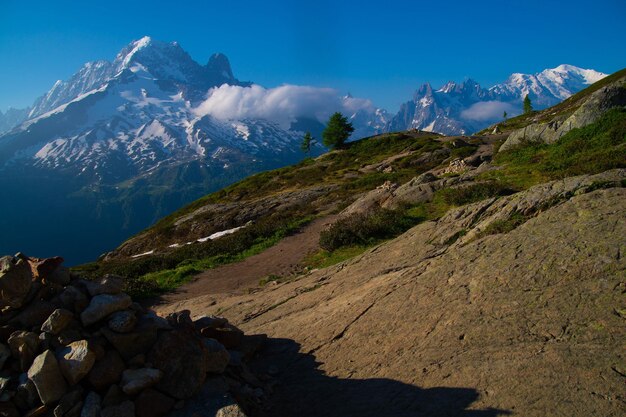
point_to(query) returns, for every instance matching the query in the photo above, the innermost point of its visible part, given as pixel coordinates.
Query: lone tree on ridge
(337, 131)
(307, 141)
(528, 106)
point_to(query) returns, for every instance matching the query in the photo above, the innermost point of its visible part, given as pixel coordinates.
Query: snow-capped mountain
(123, 143)
(11, 118)
(467, 107)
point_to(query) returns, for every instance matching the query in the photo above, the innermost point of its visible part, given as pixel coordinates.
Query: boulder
(122, 321)
(102, 305)
(57, 321)
(125, 409)
(47, 377)
(15, 281)
(106, 371)
(232, 410)
(129, 345)
(75, 361)
(74, 299)
(26, 396)
(109, 284)
(182, 357)
(136, 380)
(217, 357)
(68, 402)
(152, 403)
(24, 347)
(91, 406)
(229, 336)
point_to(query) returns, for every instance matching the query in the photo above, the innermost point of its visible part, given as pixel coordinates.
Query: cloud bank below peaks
(281, 105)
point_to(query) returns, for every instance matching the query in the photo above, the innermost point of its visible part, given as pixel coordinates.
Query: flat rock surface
(520, 323)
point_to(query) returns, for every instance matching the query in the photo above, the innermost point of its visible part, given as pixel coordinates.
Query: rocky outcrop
(613, 95)
(459, 317)
(71, 347)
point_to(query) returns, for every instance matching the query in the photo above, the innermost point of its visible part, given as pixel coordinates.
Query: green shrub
(476, 192)
(364, 229)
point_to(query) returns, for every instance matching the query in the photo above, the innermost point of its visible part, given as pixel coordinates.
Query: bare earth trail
(283, 259)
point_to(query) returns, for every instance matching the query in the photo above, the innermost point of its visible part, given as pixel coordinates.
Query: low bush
(364, 229)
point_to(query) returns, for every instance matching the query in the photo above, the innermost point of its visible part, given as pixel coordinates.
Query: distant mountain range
(464, 108)
(121, 144)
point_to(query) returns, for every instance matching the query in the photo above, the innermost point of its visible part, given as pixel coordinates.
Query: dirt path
(283, 259)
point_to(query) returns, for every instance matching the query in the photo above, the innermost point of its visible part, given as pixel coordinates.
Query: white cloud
(281, 104)
(488, 110)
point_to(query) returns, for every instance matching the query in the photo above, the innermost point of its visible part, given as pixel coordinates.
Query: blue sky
(381, 50)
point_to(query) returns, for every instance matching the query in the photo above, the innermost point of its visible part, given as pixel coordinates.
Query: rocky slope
(448, 320)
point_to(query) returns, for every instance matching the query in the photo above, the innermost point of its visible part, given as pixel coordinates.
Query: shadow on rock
(303, 390)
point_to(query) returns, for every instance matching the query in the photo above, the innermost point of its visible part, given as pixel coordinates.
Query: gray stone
(74, 299)
(16, 278)
(217, 358)
(232, 410)
(57, 321)
(24, 347)
(125, 409)
(47, 377)
(114, 396)
(136, 380)
(91, 407)
(75, 361)
(102, 305)
(132, 344)
(123, 321)
(109, 284)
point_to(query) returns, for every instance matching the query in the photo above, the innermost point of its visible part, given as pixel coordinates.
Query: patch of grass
(462, 195)
(504, 226)
(323, 258)
(595, 148)
(365, 229)
(270, 278)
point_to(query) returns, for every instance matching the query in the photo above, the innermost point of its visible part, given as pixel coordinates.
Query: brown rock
(15, 281)
(152, 403)
(217, 357)
(136, 380)
(7, 409)
(75, 361)
(114, 396)
(47, 377)
(57, 321)
(229, 336)
(182, 357)
(74, 299)
(68, 401)
(106, 371)
(24, 347)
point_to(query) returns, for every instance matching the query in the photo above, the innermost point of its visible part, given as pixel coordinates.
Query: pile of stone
(71, 347)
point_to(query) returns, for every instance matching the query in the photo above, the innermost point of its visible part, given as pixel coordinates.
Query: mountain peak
(219, 64)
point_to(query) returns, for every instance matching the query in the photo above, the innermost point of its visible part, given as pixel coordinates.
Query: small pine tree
(504, 115)
(337, 131)
(528, 106)
(307, 141)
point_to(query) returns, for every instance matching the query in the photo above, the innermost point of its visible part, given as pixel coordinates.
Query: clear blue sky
(381, 50)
